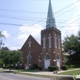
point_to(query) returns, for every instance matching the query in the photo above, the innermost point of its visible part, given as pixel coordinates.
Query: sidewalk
(68, 70)
(48, 73)
(42, 72)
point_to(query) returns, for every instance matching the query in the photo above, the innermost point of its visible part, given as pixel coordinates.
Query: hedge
(53, 68)
(64, 67)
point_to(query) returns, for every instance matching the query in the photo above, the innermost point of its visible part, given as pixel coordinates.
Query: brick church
(48, 53)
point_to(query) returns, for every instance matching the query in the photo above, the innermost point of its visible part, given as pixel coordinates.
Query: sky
(20, 18)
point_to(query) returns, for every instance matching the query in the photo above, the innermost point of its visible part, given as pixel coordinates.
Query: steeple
(50, 19)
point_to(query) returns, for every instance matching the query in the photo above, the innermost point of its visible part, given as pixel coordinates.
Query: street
(12, 76)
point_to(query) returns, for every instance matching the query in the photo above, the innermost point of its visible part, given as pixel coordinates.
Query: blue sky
(20, 18)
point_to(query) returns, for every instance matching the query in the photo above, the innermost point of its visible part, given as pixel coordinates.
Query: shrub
(64, 67)
(40, 68)
(71, 66)
(31, 68)
(5, 67)
(1, 63)
(53, 68)
(35, 66)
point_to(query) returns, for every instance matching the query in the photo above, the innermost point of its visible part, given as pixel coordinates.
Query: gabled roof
(26, 42)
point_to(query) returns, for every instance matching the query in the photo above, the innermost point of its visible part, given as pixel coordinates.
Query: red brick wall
(35, 50)
(48, 50)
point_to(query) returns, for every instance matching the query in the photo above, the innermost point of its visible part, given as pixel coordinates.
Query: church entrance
(46, 61)
(58, 63)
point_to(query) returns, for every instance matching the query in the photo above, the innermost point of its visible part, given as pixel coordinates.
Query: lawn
(23, 70)
(70, 72)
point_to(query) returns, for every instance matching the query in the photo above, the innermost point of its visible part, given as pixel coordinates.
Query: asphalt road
(12, 76)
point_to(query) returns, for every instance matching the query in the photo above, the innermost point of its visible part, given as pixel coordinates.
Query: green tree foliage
(72, 46)
(10, 57)
(1, 35)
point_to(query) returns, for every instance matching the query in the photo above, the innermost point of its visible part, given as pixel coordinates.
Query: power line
(67, 6)
(71, 22)
(63, 8)
(11, 24)
(38, 12)
(29, 18)
(66, 11)
(27, 28)
(20, 18)
(21, 11)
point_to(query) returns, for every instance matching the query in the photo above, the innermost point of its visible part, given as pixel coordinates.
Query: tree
(1, 35)
(72, 46)
(11, 57)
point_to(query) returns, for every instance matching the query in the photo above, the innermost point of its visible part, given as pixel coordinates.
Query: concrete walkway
(68, 70)
(44, 72)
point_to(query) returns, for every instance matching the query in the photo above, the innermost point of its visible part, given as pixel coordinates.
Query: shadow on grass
(7, 72)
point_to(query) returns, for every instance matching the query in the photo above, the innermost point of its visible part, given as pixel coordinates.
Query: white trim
(54, 52)
(46, 63)
(55, 41)
(29, 43)
(44, 42)
(50, 45)
(59, 42)
(29, 58)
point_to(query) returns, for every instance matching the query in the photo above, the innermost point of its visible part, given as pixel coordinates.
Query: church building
(48, 53)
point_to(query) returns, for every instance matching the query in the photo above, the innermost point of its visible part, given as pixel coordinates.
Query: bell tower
(51, 42)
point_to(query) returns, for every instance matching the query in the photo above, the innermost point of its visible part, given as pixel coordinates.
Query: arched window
(59, 42)
(29, 42)
(44, 42)
(55, 41)
(47, 56)
(58, 56)
(29, 59)
(50, 40)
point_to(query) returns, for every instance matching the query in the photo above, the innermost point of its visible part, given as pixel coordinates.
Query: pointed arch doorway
(46, 61)
(58, 61)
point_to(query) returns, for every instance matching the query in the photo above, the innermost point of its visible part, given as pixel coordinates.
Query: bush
(53, 68)
(71, 66)
(1, 63)
(64, 67)
(40, 68)
(5, 67)
(35, 66)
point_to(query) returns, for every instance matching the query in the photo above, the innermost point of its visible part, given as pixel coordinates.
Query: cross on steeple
(50, 19)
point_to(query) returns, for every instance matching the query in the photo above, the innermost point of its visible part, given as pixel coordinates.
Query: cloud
(27, 30)
(14, 48)
(77, 2)
(24, 33)
(5, 33)
(71, 28)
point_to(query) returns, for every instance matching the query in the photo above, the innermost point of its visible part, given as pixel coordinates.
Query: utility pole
(1, 43)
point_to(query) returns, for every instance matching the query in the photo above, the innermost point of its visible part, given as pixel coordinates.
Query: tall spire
(50, 19)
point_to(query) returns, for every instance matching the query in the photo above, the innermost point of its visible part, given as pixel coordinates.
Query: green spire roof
(50, 19)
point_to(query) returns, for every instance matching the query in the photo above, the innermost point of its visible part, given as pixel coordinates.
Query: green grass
(70, 72)
(73, 68)
(23, 70)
